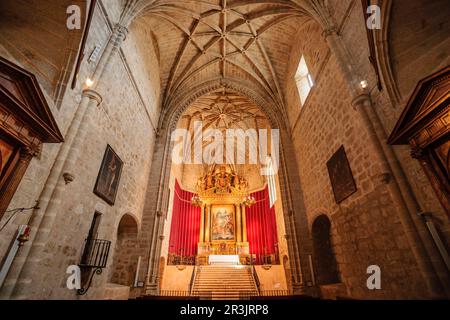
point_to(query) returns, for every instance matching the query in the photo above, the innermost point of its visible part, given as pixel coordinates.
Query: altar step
(224, 282)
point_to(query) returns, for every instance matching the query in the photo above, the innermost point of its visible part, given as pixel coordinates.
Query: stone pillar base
(302, 290)
(151, 290)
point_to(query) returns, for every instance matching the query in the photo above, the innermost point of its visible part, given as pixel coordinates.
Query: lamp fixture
(89, 82)
(364, 84)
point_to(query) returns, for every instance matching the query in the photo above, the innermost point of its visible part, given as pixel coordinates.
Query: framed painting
(222, 223)
(341, 176)
(108, 177)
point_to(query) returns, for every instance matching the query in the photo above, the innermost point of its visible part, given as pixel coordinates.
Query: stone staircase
(224, 282)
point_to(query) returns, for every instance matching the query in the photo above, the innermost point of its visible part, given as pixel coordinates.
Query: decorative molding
(361, 100)
(92, 95)
(174, 112)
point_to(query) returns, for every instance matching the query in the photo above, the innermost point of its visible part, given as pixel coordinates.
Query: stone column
(362, 104)
(155, 208)
(297, 232)
(41, 220)
(399, 188)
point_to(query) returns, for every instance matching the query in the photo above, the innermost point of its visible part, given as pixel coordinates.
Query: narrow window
(304, 80)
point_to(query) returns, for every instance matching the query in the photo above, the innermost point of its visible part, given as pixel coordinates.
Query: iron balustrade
(94, 260)
(95, 253)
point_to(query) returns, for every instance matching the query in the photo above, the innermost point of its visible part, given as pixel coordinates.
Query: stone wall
(273, 279)
(177, 279)
(125, 120)
(366, 229)
(35, 34)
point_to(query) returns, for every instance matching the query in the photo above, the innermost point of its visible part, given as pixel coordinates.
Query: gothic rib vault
(245, 42)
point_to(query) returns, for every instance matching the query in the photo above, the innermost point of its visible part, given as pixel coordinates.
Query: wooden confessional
(425, 126)
(25, 123)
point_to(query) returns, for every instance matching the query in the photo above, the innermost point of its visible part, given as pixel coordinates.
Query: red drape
(185, 227)
(261, 226)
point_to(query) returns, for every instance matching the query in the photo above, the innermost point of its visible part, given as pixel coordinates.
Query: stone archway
(125, 253)
(326, 268)
(297, 232)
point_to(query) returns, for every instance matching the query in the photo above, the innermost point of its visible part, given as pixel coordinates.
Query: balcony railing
(93, 260)
(95, 253)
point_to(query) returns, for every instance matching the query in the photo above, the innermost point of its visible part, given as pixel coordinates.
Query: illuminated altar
(223, 197)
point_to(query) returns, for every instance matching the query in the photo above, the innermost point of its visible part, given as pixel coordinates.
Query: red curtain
(185, 228)
(262, 227)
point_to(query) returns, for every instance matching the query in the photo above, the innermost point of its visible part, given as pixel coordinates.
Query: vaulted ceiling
(225, 109)
(200, 41)
(221, 110)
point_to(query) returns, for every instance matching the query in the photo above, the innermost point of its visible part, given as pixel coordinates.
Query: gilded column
(208, 223)
(244, 224)
(202, 224)
(238, 223)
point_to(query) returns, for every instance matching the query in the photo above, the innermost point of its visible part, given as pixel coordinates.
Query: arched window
(303, 80)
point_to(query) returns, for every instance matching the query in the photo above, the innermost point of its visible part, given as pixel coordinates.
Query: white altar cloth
(224, 259)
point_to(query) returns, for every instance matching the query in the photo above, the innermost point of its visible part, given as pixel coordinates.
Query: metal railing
(174, 293)
(192, 283)
(274, 293)
(93, 260)
(255, 276)
(95, 253)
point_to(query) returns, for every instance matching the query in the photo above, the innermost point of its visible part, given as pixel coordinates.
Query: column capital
(361, 100)
(119, 35)
(92, 95)
(29, 152)
(418, 153)
(329, 32)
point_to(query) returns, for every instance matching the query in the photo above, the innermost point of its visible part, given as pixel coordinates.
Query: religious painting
(341, 176)
(222, 218)
(109, 176)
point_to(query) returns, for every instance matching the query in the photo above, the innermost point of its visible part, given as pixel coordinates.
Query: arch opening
(125, 261)
(255, 233)
(325, 261)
